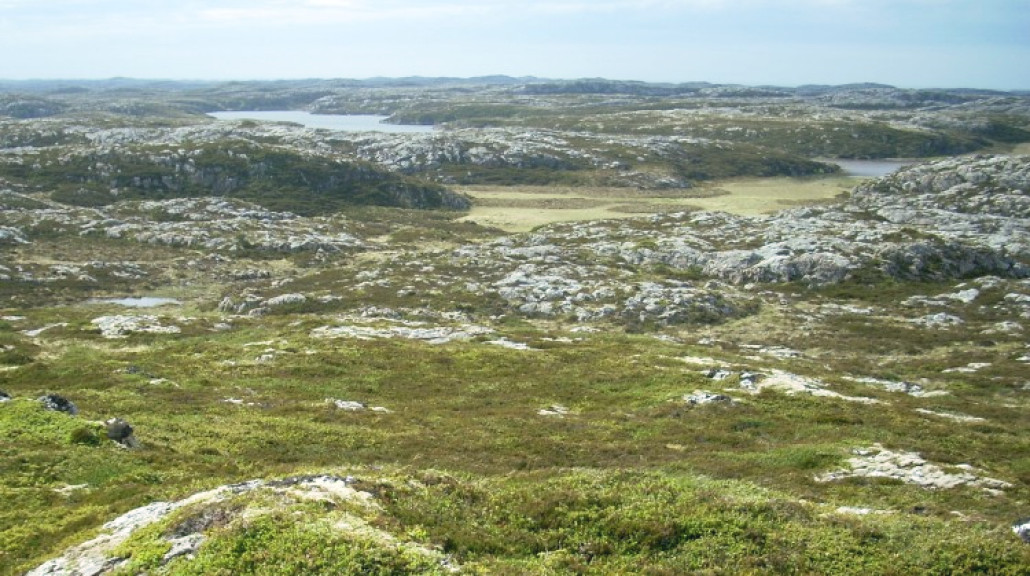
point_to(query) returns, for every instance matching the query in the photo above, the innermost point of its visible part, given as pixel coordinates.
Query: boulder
(57, 403)
(120, 431)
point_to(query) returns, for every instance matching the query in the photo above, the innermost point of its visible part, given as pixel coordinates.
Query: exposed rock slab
(910, 468)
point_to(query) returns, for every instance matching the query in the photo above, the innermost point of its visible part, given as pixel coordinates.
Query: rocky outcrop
(432, 335)
(217, 224)
(122, 325)
(949, 219)
(204, 512)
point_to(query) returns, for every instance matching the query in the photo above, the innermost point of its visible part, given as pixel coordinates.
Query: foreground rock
(97, 556)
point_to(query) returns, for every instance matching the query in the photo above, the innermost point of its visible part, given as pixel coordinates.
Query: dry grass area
(522, 208)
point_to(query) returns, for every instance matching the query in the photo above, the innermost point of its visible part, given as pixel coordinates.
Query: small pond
(141, 302)
(870, 168)
(341, 122)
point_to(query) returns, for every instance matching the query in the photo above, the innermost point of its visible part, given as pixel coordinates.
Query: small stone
(701, 397)
(348, 405)
(554, 410)
(4, 396)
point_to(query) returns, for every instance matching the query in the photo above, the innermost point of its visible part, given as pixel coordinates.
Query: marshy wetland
(570, 329)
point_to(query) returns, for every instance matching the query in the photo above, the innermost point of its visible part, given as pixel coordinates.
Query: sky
(906, 43)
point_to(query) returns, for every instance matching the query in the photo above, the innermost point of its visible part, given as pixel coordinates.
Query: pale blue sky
(909, 43)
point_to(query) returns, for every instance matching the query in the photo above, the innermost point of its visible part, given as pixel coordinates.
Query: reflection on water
(341, 122)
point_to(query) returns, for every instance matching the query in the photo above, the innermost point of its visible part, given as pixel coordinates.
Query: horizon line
(530, 78)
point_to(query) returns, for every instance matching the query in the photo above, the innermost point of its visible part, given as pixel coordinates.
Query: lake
(870, 168)
(341, 122)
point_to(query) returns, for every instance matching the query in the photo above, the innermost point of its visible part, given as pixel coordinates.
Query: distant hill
(275, 178)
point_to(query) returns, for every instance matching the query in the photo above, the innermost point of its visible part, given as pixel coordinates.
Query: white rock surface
(122, 326)
(910, 468)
